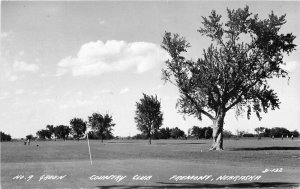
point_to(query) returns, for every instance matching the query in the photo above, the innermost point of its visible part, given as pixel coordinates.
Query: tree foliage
(199, 132)
(177, 133)
(51, 130)
(102, 125)
(29, 137)
(148, 115)
(5, 137)
(62, 131)
(235, 69)
(78, 127)
(43, 134)
(165, 133)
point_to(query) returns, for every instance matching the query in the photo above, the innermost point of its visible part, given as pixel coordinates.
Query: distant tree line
(164, 133)
(206, 133)
(58, 132)
(101, 126)
(276, 132)
(198, 132)
(5, 137)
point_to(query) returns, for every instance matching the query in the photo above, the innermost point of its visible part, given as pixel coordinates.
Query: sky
(61, 60)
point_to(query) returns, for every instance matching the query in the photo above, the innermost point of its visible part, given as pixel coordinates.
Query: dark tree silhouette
(43, 134)
(246, 52)
(51, 130)
(5, 137)
(148, 115)
(101, 124)
(259, 131)
(164, 133)
(78, 127)
(177, 133)
(62, 131)
(29, 138)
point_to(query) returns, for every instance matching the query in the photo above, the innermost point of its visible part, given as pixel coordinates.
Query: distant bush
(248, 135)
(140, 136)
(227, 134)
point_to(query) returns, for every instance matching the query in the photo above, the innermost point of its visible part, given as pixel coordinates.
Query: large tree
(62, 131)
(246, 52)
(78, 127)
(148, 115)
(102, 125)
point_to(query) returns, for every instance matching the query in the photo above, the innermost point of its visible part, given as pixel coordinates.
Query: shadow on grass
(166, 143)
(197, 185)
(154, 143)
(122, 142)
(265, 148)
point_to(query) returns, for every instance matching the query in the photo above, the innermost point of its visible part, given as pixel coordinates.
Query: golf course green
(245, 163)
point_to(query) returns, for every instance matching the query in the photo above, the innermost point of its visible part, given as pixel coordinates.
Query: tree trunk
(218, 133)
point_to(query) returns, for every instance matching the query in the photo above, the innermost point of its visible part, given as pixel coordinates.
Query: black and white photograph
(149, 94)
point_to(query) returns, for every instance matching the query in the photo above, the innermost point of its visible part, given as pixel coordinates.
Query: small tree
(101, 124)
(259, 131)
(78, 127)
(29, 137)
(246, 52)
(148, 115)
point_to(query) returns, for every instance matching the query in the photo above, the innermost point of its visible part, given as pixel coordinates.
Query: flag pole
(89, 148)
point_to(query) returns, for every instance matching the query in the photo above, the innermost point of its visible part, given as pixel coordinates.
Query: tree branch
(197, 107)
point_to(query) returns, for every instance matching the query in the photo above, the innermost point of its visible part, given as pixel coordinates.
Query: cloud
(21, 53)
(19, 91)
(47, 101)
(158, 87)
(101, 22)
(96, 58)
(4, 95)
(125, 90)
(7, 73)
(75, 104)
(25, 67)
(105, 91)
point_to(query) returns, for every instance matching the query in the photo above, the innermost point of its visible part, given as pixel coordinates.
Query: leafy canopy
(148, 114)
(101, 124)
(234, 71)
(78, 127)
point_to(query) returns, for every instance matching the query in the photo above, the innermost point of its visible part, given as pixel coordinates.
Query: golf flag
(87, 137)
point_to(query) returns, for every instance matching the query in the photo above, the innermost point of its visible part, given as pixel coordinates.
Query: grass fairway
(162, 164)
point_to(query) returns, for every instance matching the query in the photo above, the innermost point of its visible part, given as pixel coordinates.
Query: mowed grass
(161, 160)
